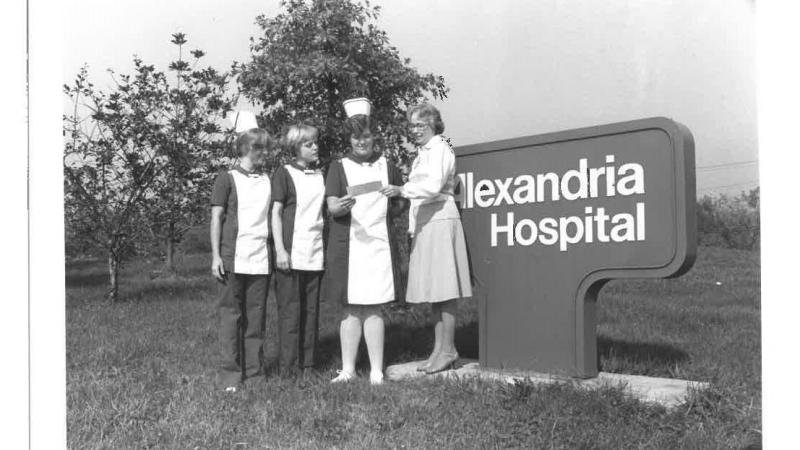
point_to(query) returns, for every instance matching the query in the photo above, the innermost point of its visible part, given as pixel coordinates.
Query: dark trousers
(297, 295)
(241, 312)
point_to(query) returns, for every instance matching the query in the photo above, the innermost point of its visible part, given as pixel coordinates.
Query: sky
(514, 67)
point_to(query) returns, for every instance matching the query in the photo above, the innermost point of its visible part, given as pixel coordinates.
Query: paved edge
(669, 392)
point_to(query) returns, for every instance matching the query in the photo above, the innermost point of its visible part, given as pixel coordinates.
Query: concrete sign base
(667, 392)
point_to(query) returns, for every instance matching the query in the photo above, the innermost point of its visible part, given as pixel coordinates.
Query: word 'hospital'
(596, 225)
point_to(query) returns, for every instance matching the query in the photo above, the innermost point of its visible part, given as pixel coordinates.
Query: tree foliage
(732, 222)
(194, 108)
(316, 54)
(140, 154)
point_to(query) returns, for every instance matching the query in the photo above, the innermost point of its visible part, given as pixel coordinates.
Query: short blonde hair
(299, 134)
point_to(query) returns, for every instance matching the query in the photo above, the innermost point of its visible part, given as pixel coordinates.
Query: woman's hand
(217, 268)
(283, 260)
(340, 206)
(391, 190)
(347, 202)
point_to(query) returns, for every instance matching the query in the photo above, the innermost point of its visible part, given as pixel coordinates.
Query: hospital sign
(550, 218)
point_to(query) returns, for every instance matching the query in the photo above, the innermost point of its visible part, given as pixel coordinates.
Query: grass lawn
(140, 373)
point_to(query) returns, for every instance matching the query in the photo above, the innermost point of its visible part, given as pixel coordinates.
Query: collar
(310, 170)
(375, 157)
(242, 170)
(437, 138)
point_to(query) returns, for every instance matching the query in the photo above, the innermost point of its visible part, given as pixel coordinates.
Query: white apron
(370, 279)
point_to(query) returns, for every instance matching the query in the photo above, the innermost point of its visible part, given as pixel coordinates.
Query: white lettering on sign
(596, 225)
(622, 227)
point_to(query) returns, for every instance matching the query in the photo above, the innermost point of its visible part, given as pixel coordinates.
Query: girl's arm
(217, 268)
(282, 258)
(339, 203)
(340, 206)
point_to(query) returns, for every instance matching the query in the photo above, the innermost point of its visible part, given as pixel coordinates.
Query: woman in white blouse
(438, 271)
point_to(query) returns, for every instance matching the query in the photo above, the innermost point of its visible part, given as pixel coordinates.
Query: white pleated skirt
(438, 268)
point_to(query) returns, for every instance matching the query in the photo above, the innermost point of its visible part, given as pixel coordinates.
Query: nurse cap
(243, 121)
(355, 106)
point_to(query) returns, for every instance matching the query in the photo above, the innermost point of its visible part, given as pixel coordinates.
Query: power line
(744, 183)
(730, 164)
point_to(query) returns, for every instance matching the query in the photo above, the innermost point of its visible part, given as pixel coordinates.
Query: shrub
(727, 221)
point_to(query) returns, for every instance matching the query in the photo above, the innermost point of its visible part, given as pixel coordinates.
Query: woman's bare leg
(447, 354)
(448, 321)
(374, 332)
(350, 337)
(436, 313)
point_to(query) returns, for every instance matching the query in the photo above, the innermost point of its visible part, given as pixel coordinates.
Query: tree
(194, 109)
(138, 158)
(318, 53)
(111, 161)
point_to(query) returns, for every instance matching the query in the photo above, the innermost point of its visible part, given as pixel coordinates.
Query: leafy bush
(727, 221)
(196, 240)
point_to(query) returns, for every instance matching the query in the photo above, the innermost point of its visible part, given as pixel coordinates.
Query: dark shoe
(444, 361)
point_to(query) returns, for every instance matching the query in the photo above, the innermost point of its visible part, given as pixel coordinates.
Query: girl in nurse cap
(362, 270)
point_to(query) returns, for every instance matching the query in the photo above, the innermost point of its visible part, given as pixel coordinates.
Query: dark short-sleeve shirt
(224, 194)
(335, 182)
(246, 252)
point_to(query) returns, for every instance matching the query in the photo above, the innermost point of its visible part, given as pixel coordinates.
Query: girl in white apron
(298, 195)
(362, 273)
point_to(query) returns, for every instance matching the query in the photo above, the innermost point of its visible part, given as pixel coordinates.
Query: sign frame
(684, 228)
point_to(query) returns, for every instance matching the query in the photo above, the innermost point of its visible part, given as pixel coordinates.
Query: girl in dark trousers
(240, 258)
(298, 194)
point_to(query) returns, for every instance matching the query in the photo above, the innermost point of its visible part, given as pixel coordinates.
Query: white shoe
(376, 378)
(343, 376)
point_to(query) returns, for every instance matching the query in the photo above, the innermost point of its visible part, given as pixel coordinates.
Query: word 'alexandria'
(580, 183)
(596, 225)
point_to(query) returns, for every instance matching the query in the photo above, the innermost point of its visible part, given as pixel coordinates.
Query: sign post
(549, 219)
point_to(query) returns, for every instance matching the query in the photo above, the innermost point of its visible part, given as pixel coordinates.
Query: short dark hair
(428, 113)
(359, 124)
(252, 136)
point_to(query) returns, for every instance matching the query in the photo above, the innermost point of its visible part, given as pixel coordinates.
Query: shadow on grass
(645, 353)
(84, 263)
(404, 342)
(409, 342)
(86, 279)
(182, 288)
(92, 272)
